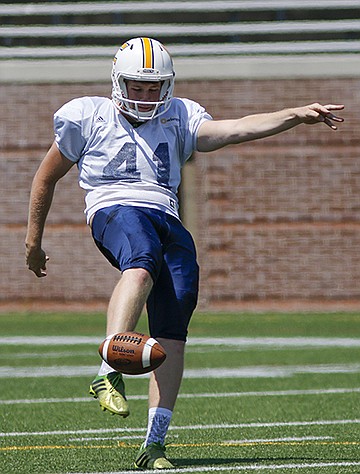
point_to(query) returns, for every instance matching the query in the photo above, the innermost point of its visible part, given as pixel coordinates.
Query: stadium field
(262, 393)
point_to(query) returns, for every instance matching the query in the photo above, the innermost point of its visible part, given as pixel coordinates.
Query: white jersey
(122, 164)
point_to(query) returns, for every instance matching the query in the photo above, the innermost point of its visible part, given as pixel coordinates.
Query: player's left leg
(170, 306)
(164, 387)
(165, 381)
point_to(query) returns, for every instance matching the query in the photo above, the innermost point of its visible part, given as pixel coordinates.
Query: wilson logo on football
(122, 349)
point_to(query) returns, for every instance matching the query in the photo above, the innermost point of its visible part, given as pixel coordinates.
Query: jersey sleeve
(70, 126)
(196, 115)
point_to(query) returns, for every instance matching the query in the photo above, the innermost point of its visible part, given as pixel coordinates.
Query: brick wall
(276, 220)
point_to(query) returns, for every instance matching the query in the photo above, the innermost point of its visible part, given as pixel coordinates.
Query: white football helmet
(142, 59)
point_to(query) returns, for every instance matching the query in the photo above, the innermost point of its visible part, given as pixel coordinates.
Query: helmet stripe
(148, 53)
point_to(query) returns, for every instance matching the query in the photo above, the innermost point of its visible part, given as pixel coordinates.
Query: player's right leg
(126, 304)
(128, 239)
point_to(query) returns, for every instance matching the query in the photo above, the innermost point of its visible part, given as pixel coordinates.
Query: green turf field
(262, 393)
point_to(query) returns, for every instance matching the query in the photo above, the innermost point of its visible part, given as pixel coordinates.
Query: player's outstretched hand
(315, 113)
(36, 261)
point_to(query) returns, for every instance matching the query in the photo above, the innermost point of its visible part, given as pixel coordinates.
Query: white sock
(105, 369)
(158, 425)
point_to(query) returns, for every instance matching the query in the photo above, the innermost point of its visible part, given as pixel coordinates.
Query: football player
(129, 152)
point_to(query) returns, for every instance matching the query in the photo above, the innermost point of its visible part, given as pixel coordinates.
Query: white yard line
(49, 354)
(278, 440)
(247, 467)
(273, 393)
(194, 341)
(257, 371)
(226, 426)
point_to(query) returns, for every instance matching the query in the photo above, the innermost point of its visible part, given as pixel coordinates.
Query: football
(132, 353)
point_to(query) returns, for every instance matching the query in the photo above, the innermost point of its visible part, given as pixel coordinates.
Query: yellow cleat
(152, 457)
(110, 391)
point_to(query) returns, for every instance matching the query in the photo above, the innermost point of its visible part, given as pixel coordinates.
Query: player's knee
(140, 277)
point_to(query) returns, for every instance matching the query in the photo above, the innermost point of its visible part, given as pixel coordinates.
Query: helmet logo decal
(148, 62)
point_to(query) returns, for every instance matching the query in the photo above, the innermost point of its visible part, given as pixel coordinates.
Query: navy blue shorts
(137, 237)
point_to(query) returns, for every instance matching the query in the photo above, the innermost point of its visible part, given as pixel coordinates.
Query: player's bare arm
(52, 168)
(215, 134)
